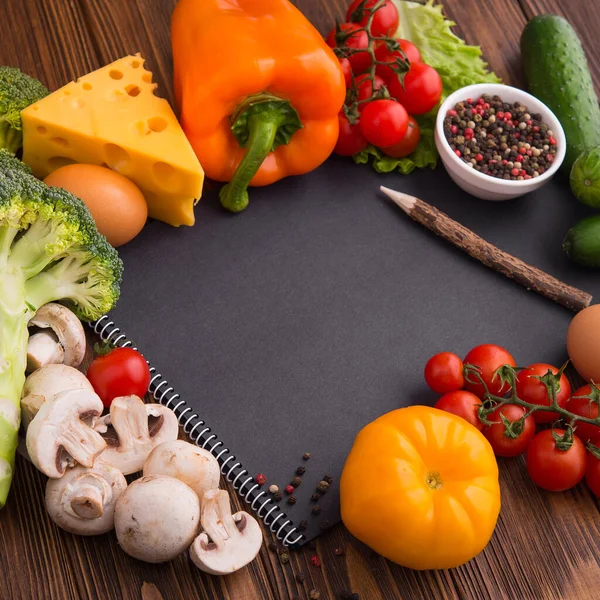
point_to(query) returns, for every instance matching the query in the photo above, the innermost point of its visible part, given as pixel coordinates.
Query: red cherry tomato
(347, 71)
(422, 89)
(360, 61)
(461, 403)
(350, 138)
(121, 372)
(408, 144)
(553, 469)
(384, 122)
(443, 373)
(532, 390)
(489, 358)
(384, 23)
(592, 474)
(496, 434)
(382, 54)
(585, 407)
(366, 88)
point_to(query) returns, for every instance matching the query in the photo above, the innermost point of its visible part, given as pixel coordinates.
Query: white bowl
(484, 186)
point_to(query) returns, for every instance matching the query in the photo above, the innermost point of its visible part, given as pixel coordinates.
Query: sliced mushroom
(133, 429)
(66, 346)
(83, 500)
(157, 518)
(228, 542)
(194, 466)
(58, 436)
(44, 384)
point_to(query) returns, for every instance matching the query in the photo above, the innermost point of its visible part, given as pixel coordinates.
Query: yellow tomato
(420, 487)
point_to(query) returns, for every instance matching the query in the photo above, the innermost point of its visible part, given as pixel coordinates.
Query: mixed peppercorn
(500, 139)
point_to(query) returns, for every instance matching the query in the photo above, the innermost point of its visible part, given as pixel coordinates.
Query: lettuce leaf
(457, 63)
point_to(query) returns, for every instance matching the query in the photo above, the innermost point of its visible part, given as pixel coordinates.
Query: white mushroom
(44, 384)
(133, 429)
(194, 466)
(65, 343)
(228, 542)
(157, 518)
(58, 436)
(83, 500)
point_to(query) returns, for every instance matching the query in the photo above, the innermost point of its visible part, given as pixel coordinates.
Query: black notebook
(287, 328)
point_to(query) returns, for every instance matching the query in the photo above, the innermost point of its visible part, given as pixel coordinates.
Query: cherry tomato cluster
(386, 82)
(507, 404)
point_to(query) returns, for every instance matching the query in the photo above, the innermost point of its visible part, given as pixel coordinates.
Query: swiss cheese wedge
(111, 117)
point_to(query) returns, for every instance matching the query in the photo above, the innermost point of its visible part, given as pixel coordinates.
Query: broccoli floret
(17, 92)
(9, 162)
(50, 250)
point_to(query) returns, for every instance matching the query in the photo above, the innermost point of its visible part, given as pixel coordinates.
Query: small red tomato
(385, 21)
(503, 442)
(383, 55)
(350, 138)
(489, 358)
(421, 91)
(408, 144)
(366, 88)
(444, 373)
(553, 469)
(461, 403)
(592, 474)
(384, 122)
(532, 390)
(121, 372)
(359, 40)
(581, 406)
(347, 71)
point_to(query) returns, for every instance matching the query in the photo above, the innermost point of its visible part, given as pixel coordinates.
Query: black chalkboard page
(289, 327)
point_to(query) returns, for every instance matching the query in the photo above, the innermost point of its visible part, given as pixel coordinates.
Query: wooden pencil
(512, 267)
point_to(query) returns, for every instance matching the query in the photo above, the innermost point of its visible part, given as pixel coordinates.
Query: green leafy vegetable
(457, 63)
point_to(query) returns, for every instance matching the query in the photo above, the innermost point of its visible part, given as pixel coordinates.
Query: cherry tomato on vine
(384, 23)
(384, 122)
(585, 407)
(121, 372)
(532, 390)
(444, 373)
(553, 469)
(422, 89)
(461, 403)
(347, 71)
(350, 138)
(592, 474)
(383, 54)
(359, 40)
(366, 88)
(408, 144)
(489, 358)
(496, 434)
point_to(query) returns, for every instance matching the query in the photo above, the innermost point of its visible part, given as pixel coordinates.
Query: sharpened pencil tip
(404, 201)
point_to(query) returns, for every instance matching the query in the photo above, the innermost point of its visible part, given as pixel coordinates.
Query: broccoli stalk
(17, 92)
(50, 250)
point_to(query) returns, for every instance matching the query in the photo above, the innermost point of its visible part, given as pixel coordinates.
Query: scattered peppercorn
(284, 558)
(518, 146)
(325, 525)
(339, 551)
(316, 509)
(328, 479)
(273, 489)
(296, 482)
(277, 496)
(302, 525)
(300, 577)
(323, 486)
(300, 471)
(291, 500)
(289, 489)
(272, 546)
(314, 594)
(260, 479)
(315, 497)
(315, 560)
(306, 456)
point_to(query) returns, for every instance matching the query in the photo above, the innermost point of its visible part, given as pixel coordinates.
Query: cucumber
(557, 73)
(582, 243)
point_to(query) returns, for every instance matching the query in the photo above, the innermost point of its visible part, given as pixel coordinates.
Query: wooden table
(546, 546)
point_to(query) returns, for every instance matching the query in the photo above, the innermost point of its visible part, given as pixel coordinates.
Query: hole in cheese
(166, 176)
(41, 130)
(141, 127)
(67, 93)
(135, 64)
(157, 124)
(115, 74)
(147, 77)
(56, 162)
(133, 90)
(117, 158)
(87, 86)
(60, 141)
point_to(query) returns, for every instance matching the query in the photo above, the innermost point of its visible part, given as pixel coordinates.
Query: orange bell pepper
(420, 487)
(258, 89)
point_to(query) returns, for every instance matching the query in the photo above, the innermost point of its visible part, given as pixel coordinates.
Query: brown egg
(583, 343)
(116, 203)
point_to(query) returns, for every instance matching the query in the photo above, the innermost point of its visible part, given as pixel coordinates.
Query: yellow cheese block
(112, 118)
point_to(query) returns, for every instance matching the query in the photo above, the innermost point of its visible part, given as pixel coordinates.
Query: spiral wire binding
(273, 517)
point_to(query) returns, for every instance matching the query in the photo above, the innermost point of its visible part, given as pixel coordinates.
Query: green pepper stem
(262, 128)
